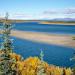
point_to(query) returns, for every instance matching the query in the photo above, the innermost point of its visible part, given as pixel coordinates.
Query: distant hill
(63, 19)
(72, 20)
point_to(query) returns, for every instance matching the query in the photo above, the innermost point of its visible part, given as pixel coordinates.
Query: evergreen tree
(6, 49)
(41, 70)
(41, 55)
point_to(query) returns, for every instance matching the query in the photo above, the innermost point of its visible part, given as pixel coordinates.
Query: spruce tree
(41, 70)
(6, 49)
(41, 55)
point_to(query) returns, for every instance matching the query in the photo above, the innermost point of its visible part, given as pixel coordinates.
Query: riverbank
(56, 39)
(59, 23)
(40, 22)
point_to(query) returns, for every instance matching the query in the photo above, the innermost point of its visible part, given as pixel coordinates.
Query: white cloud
(51, 12)
(69, 11)
(48, 14)
(20, 16)
(60, 13)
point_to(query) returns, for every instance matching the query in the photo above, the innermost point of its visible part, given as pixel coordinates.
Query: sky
(37, 9)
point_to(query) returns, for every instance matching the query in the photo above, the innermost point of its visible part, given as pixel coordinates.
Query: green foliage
(41, 70)
(6, 47)
(41, 55)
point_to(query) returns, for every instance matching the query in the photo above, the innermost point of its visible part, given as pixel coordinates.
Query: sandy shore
(57, 39)
(55, 23)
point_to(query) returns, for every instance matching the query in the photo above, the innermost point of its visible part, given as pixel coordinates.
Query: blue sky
(38, 9)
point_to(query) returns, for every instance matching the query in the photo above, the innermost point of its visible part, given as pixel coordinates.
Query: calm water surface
(35, 27)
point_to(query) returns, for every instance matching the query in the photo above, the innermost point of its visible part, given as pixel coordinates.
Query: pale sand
(56, 39)
(55, 23)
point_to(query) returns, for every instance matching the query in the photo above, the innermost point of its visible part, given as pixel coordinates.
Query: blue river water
(35, 27)
(53, 54)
